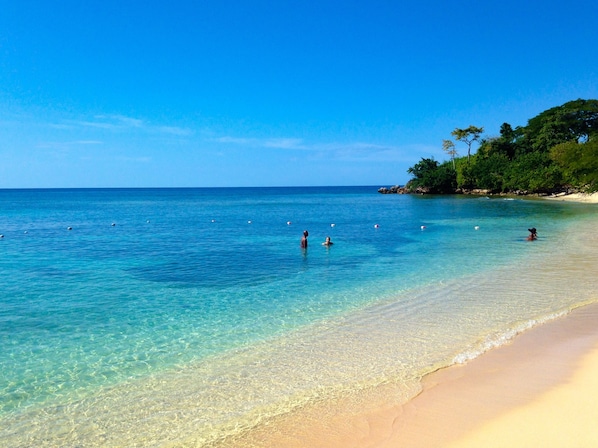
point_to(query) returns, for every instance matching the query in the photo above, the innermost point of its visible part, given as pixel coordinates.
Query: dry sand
(575, 197)
(565, 416)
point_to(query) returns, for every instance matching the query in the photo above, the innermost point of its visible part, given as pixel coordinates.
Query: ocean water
(180, 317)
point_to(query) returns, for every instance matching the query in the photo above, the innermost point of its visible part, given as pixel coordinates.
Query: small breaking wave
(499, 339)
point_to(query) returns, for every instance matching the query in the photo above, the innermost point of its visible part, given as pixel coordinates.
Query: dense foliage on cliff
(557, 150)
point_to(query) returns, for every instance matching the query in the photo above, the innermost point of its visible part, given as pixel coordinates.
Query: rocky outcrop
(395, 189)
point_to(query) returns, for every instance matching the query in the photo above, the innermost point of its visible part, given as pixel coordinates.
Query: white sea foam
(503, 338)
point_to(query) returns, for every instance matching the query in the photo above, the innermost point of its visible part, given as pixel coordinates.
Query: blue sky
(271, 93)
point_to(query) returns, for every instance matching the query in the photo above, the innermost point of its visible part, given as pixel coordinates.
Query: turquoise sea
(178, 317)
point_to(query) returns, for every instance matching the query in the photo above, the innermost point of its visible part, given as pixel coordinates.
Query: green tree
(468, 136)
(533, 172)
(579, 163)
(506, 132)
(449, 147)
(443, 180)
(506, 143)
(432, 176)
(489, 172)
(421, 170)
(465, 178)
(573, 121)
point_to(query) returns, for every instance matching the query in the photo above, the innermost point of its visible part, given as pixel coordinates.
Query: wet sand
(539, 390)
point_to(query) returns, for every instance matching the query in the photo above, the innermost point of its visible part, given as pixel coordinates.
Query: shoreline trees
(556, 150)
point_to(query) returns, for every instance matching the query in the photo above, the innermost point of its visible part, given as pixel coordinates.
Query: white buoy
(423, 227)
(289, 223)
(248, 222)
(69, 228)
(376, 226)
(477, 227)
(113, 224)
(1, 236)
(332, 225)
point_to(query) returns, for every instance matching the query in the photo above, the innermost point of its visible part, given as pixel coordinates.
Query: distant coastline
(569, 196)
(556, 152)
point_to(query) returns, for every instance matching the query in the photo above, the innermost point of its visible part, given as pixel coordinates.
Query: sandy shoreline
(575, 197)
(532, 392)
(536, 391)
(563, 416)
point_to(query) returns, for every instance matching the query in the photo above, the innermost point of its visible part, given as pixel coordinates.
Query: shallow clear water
(184, 315)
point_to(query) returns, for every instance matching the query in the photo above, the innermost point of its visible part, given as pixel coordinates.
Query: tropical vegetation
(556, 151)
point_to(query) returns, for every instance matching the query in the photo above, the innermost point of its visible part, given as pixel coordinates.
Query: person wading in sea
(304, 239)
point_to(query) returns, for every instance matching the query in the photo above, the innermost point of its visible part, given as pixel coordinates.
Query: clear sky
(203, 93)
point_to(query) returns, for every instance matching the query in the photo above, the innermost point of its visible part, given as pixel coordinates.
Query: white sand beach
(575, 197)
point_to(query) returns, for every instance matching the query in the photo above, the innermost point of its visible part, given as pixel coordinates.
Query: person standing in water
(304, 239)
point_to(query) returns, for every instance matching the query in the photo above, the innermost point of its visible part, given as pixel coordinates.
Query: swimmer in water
(533, 234)
(327, 242)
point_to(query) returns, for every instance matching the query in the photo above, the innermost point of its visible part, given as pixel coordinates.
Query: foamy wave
(499, 339)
